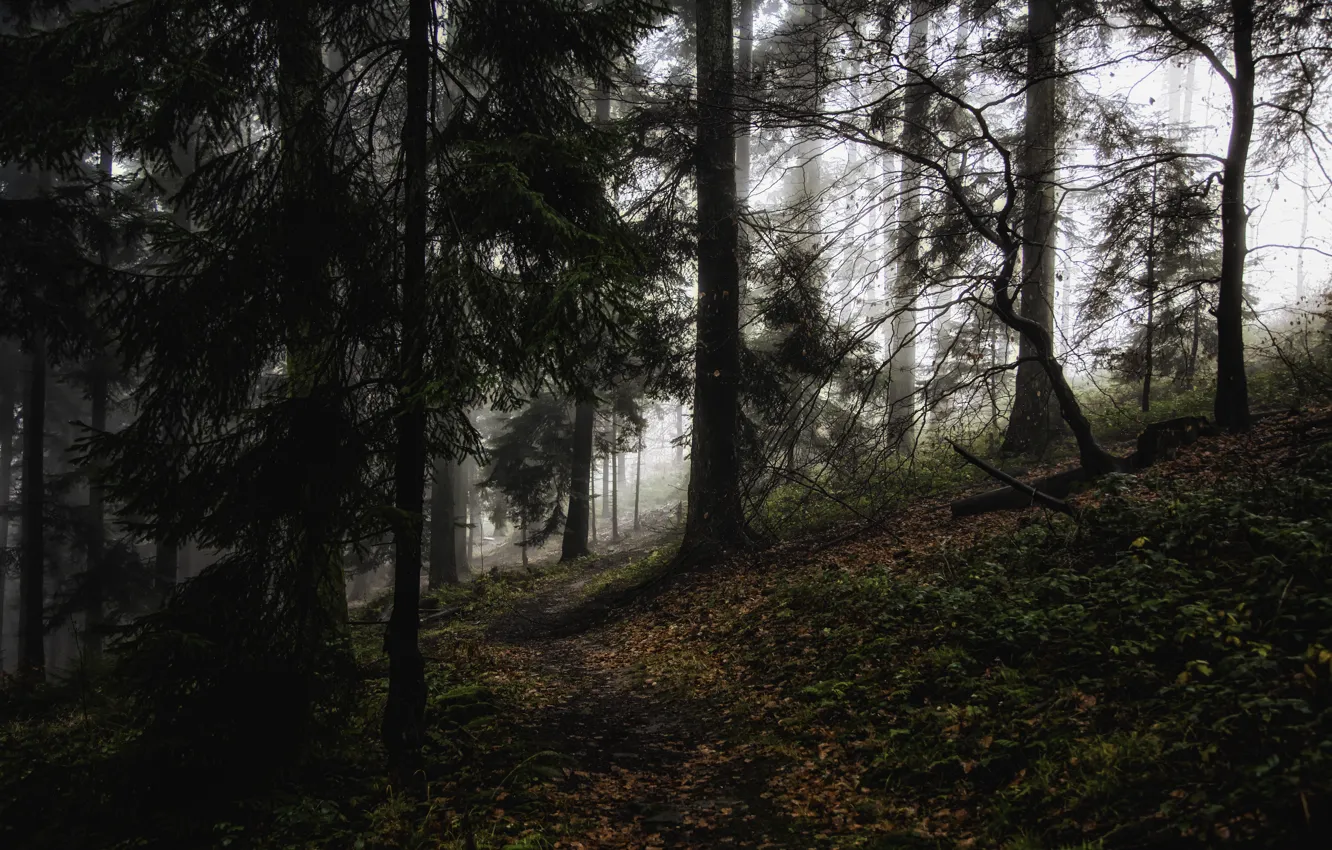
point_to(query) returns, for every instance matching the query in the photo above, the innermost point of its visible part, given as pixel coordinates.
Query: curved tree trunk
(1232, 389)
(1032, 420)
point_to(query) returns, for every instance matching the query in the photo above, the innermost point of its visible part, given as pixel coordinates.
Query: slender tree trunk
(592, 503)
(8, 390)
(578, 520)
(523, 545)
(1031, 424)
(32, 565)
(716, 519)
(744, 133)
(910, 270)
(1300, 290)
(473, 513)
(638, 478)
(614, 467)
(606, 486)
(97, 521)
(1151, 304)
(1232, 389)
(404, 712)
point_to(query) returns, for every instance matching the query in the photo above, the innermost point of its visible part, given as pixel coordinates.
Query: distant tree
(1247, 44)
(1156, 266)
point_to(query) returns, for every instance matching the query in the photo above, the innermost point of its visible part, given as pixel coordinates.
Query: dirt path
(643, 768)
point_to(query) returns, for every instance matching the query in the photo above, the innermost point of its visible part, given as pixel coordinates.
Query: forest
(598, 424)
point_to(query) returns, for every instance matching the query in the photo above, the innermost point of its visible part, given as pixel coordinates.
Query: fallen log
(1158, 441)
(1015, 486)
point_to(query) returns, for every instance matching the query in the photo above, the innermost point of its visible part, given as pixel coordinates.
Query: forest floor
(825, 692)
(1155, 671)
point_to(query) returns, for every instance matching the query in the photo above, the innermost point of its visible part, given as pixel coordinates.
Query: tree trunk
(8, 392)
(606, 486)
(1300, 290)
(1151, 303)
(1232, 389)
(638, 478)
(679, 434)
(462, 484)
(444, 564)
(1031, 424)
(404, 712)
(32, 591)
(473, 513)
(716, 519)
(744, 134)
(523, 544)
(97, 522)
(910, 270)
(614, 467)
(577, 522)
(592, 503)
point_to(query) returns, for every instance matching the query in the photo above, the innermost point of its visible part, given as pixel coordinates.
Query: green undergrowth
(1157, 676)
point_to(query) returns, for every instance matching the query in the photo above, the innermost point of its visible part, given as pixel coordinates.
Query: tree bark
(1031, 424)
(32, 566)
(716, 519)
(743, 141)
(8, 392)
(474, 526)
(1151, 303)
(462, 483)
(1231, 406)
(403, 727)
(577, 521)
(444, 564)
(592, 501)
(614, 467)
(638, 478)
(910, 269)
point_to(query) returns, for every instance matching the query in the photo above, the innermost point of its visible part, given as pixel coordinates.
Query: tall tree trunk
(8, 392)
(716, 519)
(638, 478)
(592, 502)
(744, 135)
(303, 108)
(1151, 304)
(578, 520)
(404, 712)
(32, 590)
(606, 486)
(1300, 290)
(1232, 389)
(474, 526)
(1030, 427)
(97, 523)
(910, 270)
(614, 467)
